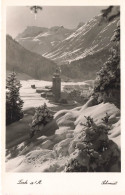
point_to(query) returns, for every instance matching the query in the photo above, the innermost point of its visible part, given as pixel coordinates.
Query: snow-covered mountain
(83, 53)
(92, 37)
(41, 40)
(80, 52)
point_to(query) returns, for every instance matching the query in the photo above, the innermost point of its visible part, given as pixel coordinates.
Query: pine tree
(41, 117)
(95, 152)
(107, 83)
(13, 102)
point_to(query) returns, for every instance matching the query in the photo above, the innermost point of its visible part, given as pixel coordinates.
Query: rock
(33, 87)
(43, 94)
(39, 91)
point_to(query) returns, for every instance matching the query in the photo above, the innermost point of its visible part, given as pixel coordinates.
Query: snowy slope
(50, 153)
(41, 40)
(90, 38)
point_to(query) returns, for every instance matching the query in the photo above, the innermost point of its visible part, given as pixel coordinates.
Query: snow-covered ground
(50, 153)
(29, 95)
(33, 99)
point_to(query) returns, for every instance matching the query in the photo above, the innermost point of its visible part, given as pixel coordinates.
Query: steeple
(56, 85)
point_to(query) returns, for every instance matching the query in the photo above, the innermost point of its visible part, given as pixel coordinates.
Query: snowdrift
(50, 153)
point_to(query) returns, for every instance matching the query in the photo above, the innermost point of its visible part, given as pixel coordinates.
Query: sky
(18, 18)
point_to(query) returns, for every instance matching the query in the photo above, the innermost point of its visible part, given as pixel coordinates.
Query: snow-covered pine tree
(107, 83)
(41, 117)
(14, 103)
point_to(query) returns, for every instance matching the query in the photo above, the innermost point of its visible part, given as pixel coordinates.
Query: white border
(64, 183)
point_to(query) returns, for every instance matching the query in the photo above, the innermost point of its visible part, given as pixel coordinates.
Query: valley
(63, 111)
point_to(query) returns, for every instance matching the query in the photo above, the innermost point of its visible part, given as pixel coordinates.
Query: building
(56, 86)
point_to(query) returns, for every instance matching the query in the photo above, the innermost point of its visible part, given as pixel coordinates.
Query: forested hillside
(25, 61)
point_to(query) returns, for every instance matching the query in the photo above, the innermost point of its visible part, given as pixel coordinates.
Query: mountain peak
(40, 39)
(80, 24)
(32, 31)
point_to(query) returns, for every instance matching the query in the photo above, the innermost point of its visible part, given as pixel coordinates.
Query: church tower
(56, 85)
